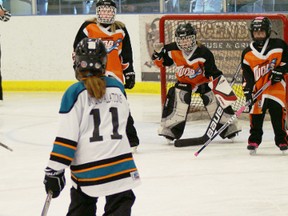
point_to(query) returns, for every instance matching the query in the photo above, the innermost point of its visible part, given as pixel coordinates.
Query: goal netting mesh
(226, 36)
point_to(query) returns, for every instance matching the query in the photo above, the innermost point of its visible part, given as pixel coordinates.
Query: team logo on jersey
(135, 175)
(264, 68)
(188, 72)
(272, 64)
(111, 44)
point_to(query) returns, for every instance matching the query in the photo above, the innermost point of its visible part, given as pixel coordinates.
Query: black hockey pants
(116, 205)
(276, 112)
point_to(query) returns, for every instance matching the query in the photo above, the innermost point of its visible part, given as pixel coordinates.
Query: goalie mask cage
(226, 35)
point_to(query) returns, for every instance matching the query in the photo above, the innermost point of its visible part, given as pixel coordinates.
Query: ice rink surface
(224, 180)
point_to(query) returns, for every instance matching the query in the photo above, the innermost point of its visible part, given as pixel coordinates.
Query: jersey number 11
(97, 121)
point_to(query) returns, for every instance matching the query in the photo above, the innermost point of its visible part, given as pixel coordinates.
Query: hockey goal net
(226, 36)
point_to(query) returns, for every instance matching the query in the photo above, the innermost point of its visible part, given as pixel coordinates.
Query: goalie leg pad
(233, 129)
(209, 102)
(175, 111)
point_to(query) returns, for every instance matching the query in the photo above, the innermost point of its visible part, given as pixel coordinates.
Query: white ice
(224, 180)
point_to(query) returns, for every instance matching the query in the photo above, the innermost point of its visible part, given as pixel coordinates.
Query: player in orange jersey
(266, 58)
(195, 69)
(117, 41)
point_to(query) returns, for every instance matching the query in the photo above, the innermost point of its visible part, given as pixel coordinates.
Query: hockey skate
(252, 147)
(283, 147)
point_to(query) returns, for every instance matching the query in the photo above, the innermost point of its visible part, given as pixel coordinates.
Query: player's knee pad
(175, 111)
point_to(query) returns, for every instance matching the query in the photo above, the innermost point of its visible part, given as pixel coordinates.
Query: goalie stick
(210, 130)
(236, 115)
(47, 203)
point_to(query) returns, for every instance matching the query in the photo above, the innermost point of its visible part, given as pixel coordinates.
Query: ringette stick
(5, 146)
(47, 203)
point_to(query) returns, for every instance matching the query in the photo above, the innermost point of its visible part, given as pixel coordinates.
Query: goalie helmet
(260, 24)
(106, 11)
(91, 55)
(185, 36)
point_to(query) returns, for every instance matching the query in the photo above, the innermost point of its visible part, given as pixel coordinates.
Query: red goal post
(226, 35)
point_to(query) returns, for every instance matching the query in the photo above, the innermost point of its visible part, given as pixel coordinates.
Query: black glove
(129, 79)
(157, 55)
(54, 181)
(249, 97)
(276, 76)
(158, 51)
(248, 94)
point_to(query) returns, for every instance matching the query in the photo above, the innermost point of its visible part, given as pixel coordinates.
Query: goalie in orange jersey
(266, 58)
(195, 69)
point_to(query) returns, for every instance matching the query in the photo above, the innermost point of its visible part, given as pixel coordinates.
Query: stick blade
(190, 141)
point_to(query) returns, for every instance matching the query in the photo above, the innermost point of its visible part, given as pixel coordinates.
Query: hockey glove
(54, 181)
(249, 97)
(158, 51)
(276, 76)
(129, 79)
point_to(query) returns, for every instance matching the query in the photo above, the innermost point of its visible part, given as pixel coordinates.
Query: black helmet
(91, 55)
(107, 8)
(258, 24)
(185, 36)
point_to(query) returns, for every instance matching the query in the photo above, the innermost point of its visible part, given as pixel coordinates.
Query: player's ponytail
(95, 85)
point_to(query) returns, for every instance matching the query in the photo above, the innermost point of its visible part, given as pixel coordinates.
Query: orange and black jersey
(258, 63)
(118, 45)
(195, 68)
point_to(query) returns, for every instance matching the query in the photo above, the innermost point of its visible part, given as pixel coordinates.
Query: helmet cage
(105, 14)
(186, 43)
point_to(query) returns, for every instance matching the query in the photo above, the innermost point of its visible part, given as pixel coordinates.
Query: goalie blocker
(177, 105)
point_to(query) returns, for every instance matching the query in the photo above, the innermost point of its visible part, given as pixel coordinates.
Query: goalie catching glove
(54, 181)
(158, 51)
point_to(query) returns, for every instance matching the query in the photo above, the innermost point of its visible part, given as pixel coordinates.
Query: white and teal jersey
(92, 140)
